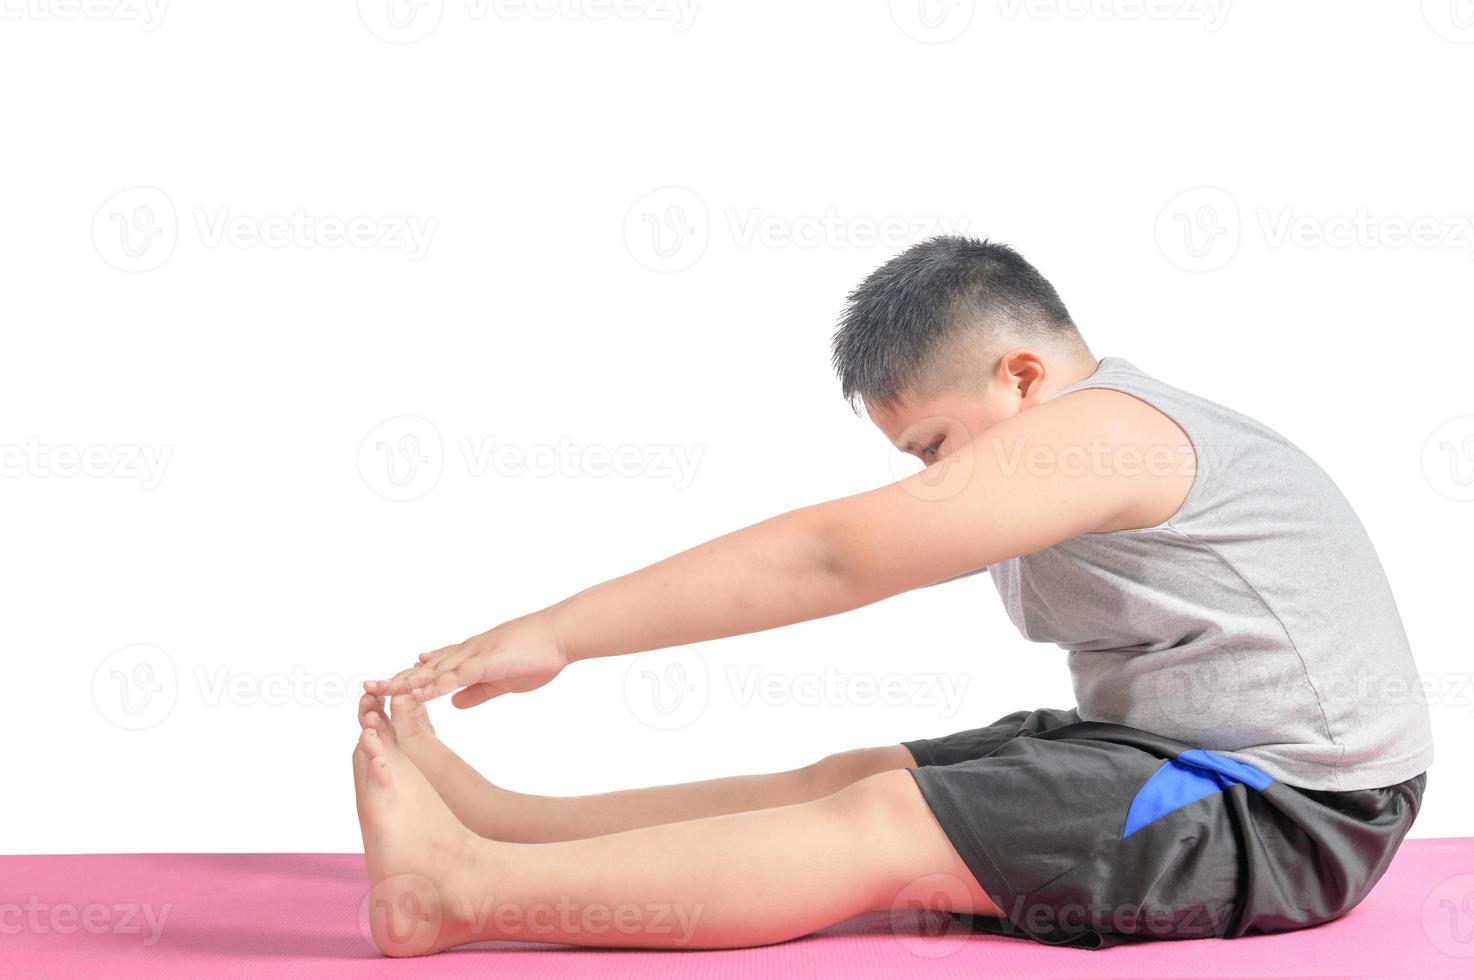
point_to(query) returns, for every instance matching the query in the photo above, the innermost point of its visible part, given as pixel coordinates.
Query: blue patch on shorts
(1190, 777)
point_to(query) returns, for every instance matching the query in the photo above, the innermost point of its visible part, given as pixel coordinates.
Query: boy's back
(1257, 621)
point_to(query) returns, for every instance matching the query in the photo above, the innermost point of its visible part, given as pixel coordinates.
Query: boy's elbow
(836, 560)
(847, 548)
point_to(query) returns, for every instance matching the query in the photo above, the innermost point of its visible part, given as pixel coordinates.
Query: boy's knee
(886, 801)
(833, 773)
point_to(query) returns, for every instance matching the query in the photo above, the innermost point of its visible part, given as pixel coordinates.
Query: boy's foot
(471, 797)
(421, 860)
(409, 723)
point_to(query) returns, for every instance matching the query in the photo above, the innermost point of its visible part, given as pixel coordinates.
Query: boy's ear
(1022, 370)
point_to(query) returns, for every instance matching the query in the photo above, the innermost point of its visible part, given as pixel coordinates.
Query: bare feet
(475, 800)
(407, 722)
(421, 860)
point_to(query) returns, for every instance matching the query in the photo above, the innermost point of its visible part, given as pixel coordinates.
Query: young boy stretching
(1248, 748)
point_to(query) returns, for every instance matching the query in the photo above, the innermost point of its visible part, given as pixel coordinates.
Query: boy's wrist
(556, 622)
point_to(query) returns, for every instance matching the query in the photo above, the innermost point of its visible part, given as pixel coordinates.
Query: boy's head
(951, 337)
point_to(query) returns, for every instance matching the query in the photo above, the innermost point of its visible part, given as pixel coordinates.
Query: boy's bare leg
(742, 879)
(491, 811)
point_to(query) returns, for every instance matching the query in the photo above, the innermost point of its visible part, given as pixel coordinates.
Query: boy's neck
(1071, 373)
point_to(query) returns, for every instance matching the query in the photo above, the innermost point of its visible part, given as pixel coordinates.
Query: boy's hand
(517, 656)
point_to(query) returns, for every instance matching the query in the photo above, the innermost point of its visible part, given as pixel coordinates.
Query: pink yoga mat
(262, 916)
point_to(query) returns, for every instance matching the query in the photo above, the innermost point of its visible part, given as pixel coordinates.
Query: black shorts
(1092, 834)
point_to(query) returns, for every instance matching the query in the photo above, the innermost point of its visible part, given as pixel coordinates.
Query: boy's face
(930, 427)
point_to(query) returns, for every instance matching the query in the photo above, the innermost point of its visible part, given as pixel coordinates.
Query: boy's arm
(1094, 460)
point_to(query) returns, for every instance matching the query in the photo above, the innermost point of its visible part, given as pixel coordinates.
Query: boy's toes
(370, 761)
(410, 719)
(373, 745)
(379, 770)
(379, 724)
(367, 705)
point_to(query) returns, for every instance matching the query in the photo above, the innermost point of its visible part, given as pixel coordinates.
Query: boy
(1246, 755)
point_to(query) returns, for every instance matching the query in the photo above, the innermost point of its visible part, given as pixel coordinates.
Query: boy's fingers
(400, 683)
(435, 655)
(457, 663)
(445, 682)
(432, 663)
(417, 679)
(465, 661)
(423, 674)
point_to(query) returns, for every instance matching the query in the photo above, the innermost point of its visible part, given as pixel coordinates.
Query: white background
(1222, 193)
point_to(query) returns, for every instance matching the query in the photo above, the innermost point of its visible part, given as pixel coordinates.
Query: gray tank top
(1256, 622)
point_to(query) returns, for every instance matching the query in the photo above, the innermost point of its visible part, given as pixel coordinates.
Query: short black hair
(904, 311)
